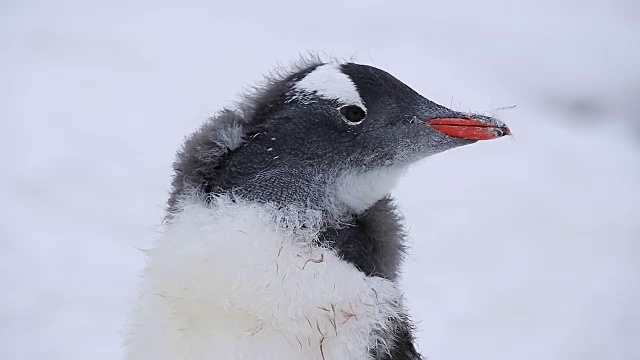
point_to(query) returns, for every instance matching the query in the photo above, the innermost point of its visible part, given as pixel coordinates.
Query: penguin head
(339, 131)
(359, 117)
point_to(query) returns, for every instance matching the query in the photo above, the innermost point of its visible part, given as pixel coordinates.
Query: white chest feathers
(236, 280)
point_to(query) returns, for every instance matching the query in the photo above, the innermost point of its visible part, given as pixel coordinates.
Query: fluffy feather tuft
(274, 289)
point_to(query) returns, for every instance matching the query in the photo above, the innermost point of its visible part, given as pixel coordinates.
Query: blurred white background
(523, 248)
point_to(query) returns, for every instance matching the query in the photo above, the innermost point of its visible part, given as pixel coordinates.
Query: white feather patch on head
(240, 280)
(329, 82)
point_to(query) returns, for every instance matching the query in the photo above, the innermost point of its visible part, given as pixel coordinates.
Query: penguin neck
(282, 186)
(338, 194)
(264, 170)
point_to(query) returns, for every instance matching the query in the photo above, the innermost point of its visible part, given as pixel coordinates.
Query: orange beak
(468, 128)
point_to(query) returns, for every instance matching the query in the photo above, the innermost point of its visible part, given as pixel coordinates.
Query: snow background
(523, 248)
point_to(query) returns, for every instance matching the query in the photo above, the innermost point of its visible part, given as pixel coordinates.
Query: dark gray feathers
(372, 241)
(202, 151)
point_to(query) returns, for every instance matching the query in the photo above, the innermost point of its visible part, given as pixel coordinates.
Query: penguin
(281, 239)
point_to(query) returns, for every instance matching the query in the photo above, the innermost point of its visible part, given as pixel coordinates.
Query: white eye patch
(329, 82)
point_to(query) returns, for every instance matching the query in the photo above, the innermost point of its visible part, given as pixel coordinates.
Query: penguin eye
(353, 113)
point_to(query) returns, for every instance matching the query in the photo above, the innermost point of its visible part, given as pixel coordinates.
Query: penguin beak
(476, 128)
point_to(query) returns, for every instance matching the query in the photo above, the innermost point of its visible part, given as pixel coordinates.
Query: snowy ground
(523, 248)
